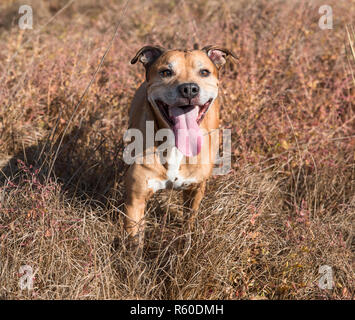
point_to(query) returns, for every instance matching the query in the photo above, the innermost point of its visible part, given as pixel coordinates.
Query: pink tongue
(188, 136)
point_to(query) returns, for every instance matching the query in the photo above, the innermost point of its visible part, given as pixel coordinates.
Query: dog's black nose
(189, 90)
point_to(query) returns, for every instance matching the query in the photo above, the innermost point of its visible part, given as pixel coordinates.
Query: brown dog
(180, 94)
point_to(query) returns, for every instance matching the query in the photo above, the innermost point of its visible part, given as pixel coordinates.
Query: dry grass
(286, 208)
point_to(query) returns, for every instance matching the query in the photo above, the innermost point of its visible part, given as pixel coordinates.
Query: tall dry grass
(285, 209)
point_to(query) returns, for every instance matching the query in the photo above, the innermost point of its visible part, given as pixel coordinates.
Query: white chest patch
(174, 180)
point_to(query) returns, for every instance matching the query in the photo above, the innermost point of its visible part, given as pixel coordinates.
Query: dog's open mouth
(166, 111)
(185, 121)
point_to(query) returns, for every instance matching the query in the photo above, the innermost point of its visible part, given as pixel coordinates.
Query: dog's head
(181, 86)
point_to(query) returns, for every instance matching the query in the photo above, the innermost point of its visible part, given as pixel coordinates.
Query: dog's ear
(218, 55)
(147, 55)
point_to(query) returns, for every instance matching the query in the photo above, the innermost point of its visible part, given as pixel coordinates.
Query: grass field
(286, 207)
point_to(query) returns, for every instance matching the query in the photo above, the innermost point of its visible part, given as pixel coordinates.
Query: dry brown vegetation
(286, 208)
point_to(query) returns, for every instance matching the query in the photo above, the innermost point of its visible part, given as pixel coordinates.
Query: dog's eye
(204, 73)
(166, 73)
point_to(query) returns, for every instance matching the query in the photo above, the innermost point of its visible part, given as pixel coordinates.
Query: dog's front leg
(134, 219)
(192, 199)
